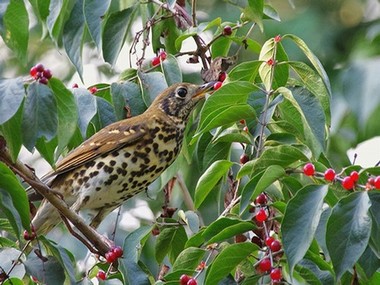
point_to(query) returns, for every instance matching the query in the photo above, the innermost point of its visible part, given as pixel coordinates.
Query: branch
(99, 242)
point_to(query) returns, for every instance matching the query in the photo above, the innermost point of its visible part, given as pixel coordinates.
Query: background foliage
(295, 111)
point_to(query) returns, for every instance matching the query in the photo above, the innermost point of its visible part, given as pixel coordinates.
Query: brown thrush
(122, 159)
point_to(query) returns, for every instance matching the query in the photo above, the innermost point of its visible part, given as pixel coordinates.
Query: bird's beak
(203, 89)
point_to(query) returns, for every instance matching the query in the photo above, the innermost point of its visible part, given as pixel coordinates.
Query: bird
(122, 159)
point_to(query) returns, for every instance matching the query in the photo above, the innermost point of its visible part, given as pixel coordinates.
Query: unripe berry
(217, 85)
(184, 279)
(275, 274)
(261, 199)
(309, 169)
(101, 275)
(261, 215)
(348, 183)
(265, 265)
(275, 246)
(329, 174)
(227, 31)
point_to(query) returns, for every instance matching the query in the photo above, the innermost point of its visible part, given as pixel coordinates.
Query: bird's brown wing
(106, 140)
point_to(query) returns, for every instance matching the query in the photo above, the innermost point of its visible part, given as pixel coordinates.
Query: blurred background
(344, 35)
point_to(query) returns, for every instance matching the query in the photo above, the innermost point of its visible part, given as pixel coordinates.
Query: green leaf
(133, 274)
(300, 221)
(227, 260)
(11, 131)
(170, 241)
(47, 272)
(127, 94)
(10, 212)
(257, 12)
(259, 183)
(188, 259)
(47, 149)
(115, 30)
(105, 114)
(314, 84)
(221, 223)
(133, 243)
(348, 231)
(12, 94)
(59, 10)
(214, 152)
(271, 13)
(369, 262)
(303, 112)
(94, 11)
(375, 215)
(313, 59)
(282, 155)
(153, 83)
(209, 179)
(16, 29)
(12, 185)
(221, 46)
(172, 72)
(87, 108)
(231, 231)
(40, 115)
(233, 134)
(67, 113)
(189, 33)
(245, 71)
(73, 35)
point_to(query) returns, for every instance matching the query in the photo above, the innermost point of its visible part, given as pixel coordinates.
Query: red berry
(217, 85)
(163, 55)
(261, 215)
(34, 279)
(156, 61)
(376, 183)
(270, 61)
(261, 199)
(75, 85)
(155, 231)
(29, 236)
(101, 275)
(192, 281)
(269, 240)
(184, 279)
(227, 30)
(348, 183)
(110, 256)
(277, 38)
(33, 72)
(309, 169)
(244, 158)
(329, 174)
(243, 122)
(39, 67)
(47, 73)
(275, 246)
(118, 251)
(275, 274)
(222, 76)
(354, 176)
(246, 129)
(265, 265)
(43, 80)
(93, 90)
(371, 181)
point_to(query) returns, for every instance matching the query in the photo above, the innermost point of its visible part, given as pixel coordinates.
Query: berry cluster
(114, 254)
(40, 74)
(157, 59)
(221, 78)
(187, 280)
(31, 235)
(348, 182)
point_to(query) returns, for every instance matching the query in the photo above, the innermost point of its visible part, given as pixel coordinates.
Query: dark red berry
(75, 85)
(227, 30)
(39, 67)
(354, 176)
(265, 265)
(118, 251)
(348, 183)
(217, 85)
(261, 199)
(244, 158)
(222, 76)
(269, 240)
(156, 61)
(101, 275)
(47, 73)
(163, 55)
(261, 215)
(329, 174)
(240, 238)
(155, 231)
(376, 183)
(184, 279)
(110, 257)
(31, 235)
(309, 169)
(43, 80)
(192, 281)
(275, 246)
(275, 274)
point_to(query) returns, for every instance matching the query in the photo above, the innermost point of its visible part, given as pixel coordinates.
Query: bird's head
(178, 100)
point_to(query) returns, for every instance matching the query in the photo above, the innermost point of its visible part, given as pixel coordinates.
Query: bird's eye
(181, 93)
